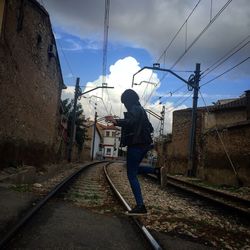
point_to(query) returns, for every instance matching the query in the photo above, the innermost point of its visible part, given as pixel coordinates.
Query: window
(2, 2)
(107, 133)
(108, 151)
(113, 134)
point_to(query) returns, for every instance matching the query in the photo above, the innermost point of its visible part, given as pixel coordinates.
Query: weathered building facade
(111, 141)
(90, 147)
(225, 143)
(30, 85)
(222, 153)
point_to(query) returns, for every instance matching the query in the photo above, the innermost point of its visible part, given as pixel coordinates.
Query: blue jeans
(135, 155)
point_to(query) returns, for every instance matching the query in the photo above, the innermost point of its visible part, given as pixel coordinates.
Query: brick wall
(211, 159)
(30, 86)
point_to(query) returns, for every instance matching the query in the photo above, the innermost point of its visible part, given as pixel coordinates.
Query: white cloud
(120, 78)
(68, 93)
(72, 45)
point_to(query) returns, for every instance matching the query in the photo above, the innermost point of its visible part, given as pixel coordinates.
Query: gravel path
(172, 213)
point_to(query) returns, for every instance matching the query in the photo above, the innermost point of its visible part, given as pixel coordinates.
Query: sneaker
(137, 210)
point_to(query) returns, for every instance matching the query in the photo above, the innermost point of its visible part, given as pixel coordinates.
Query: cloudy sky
(214, 33)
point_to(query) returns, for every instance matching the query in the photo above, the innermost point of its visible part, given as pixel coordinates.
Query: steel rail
(233, 202)
(153, 243)
(41, 203)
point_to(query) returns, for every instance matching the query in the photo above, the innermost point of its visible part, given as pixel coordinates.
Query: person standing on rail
(136, 135)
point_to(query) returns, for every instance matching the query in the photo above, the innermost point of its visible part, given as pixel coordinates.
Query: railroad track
(84, 190)
(151, 240)
(235, 203)
(175, 213)
(34, 210)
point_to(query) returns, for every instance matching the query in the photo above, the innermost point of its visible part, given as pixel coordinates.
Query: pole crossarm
(100, 87)
(154, 83)
(154, 114)
(189, 83)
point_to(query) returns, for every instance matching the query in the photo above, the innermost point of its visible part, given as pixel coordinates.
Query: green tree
(80, 128)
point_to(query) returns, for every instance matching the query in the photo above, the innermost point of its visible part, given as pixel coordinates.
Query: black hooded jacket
(136, 128)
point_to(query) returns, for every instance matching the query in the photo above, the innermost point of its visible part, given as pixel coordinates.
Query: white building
(111, 141)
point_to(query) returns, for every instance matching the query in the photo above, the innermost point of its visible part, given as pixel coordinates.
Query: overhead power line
(195, 40)
(105, 40)
(202, 32)
(220, 138)
(225, 57)
(169, 45)
(199, 35)
(105, 48)
(65, 58)
(177, 33)
(225, 72)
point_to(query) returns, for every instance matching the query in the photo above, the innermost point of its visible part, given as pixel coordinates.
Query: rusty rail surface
(151, 240)
(236, 203)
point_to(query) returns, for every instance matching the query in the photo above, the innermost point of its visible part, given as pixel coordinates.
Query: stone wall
(224, 117)
(177, 150)
(216, 167)
(30, 86)
(212, 150)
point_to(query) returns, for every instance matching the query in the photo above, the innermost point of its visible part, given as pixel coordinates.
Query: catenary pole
(72, 129)
(193, 84)
(78, 94)
(93, 141)
(192, 140)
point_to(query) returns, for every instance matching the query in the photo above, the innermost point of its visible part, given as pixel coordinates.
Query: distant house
(92, 147)
(111, 141)
(31, 84)
(222, 153)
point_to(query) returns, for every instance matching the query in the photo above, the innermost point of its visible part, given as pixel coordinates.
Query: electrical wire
(177, 33)
(105, 40)
(195, 40)
(179, 104)
(225, 72)
(167, 48)
(105, 48)
(96, 107)
(202, 32)
(219, 136)
(225, 57)
(66, 60)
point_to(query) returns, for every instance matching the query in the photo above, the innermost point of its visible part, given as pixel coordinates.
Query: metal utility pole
(160, 118)
(72, 129)
(192, 141)
(193, 84)
(162, 121)
(78, 94)
(93, 141)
